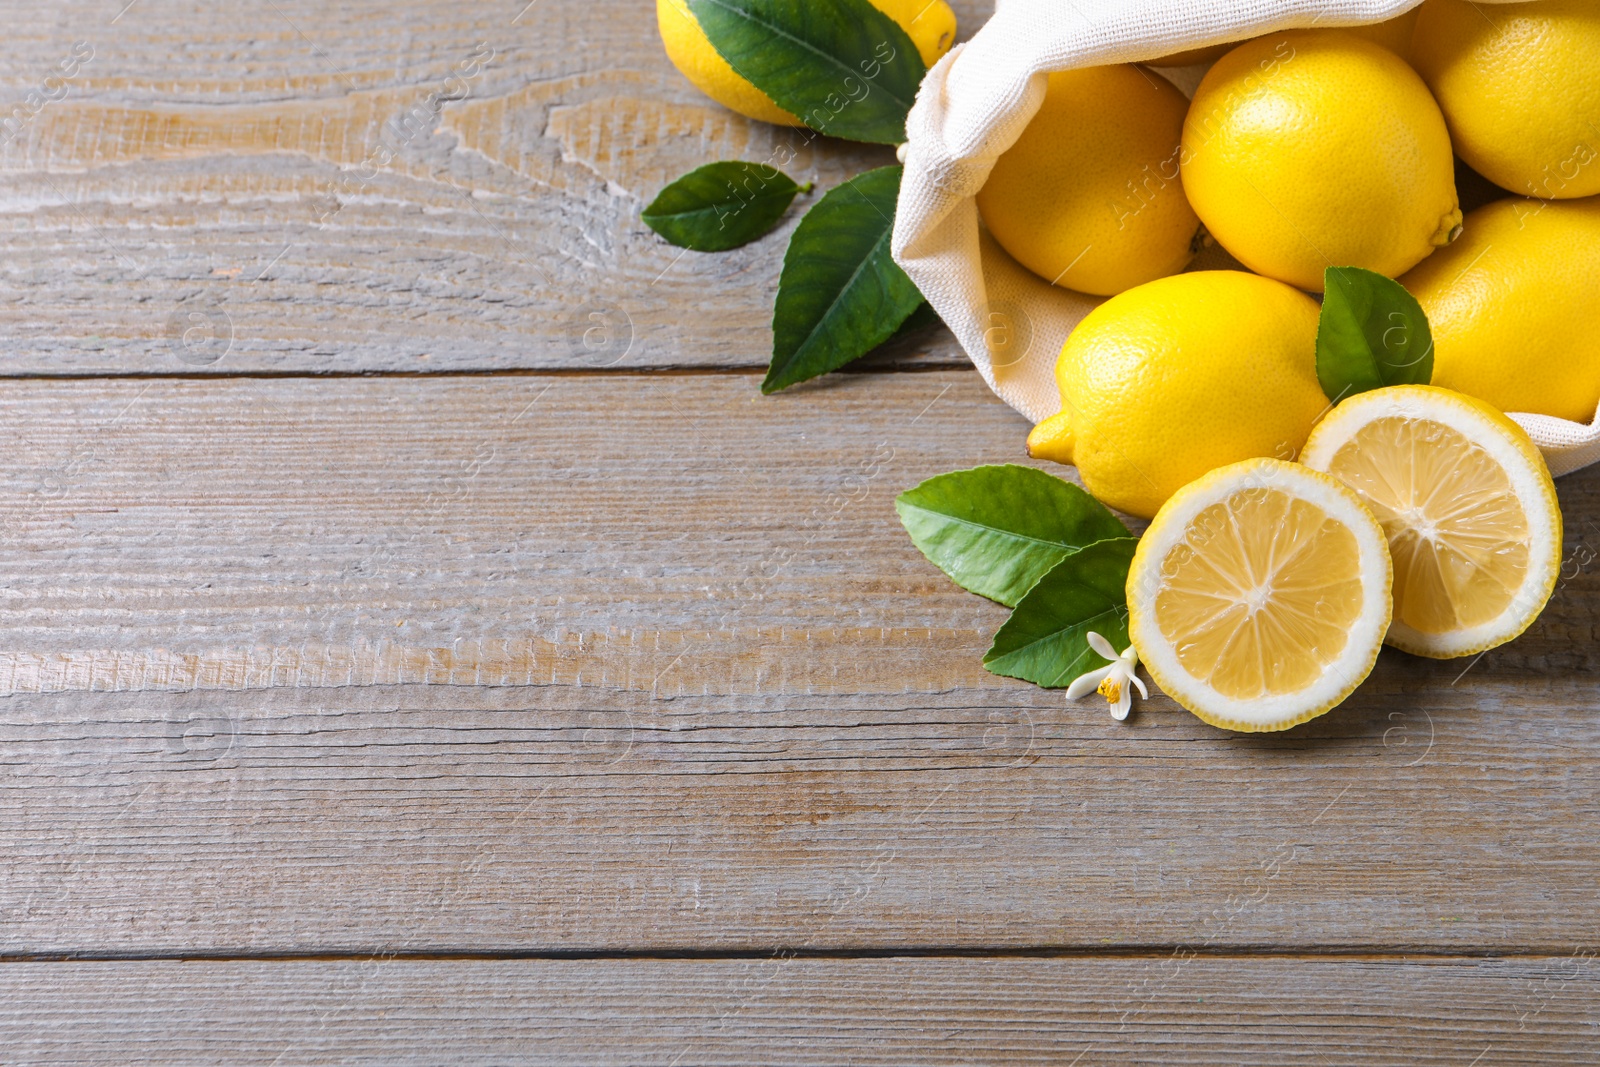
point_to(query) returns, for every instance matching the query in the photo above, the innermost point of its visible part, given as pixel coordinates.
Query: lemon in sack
(1179, 376)
(1394, 34)
(1520, 88)
(1313, 149)
(1089, 196)
(1467, 506)
(1514, 307)
(931, 25)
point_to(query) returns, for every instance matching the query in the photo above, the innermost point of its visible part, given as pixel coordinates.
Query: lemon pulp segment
(1258, 597)
(1466, 504)
(1457, 533)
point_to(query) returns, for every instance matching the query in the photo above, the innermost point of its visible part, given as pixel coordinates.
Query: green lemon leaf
(844, 67)
(1372, 333)
(840, 294)
(721, 205)
(920, 319)
(997, 530)
(1045, 641)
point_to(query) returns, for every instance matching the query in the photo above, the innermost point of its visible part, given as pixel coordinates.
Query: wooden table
(423, 644)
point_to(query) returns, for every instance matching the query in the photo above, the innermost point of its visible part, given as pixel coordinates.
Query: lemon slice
(1259, 596)
(1466, 503)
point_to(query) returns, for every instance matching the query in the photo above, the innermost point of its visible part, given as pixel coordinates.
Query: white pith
(1527, 481)
(1341, 676)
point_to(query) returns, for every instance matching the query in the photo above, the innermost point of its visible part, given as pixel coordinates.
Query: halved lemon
(1259, 596)
(1466, 503)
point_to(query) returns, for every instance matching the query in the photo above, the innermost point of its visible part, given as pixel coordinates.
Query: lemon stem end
(1449, 228)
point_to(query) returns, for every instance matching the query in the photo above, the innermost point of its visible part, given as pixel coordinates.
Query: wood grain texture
(676, 534)
(293, 194)
(395, 669)
(580, 818)
(1533, 1012)
(574, 663)
(246, 533)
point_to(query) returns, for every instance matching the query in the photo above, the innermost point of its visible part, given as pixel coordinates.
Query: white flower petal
(1102, 646)
(1134, 678)
(1086, 683)
(1119, 710)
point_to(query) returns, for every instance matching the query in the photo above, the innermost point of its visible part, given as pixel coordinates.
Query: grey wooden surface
(402, 664)
(1179, 1009)
(285, 172)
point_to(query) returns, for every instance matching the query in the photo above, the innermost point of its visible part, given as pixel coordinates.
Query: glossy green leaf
(1046, 639)
(921, 319)
(1372, 333)
(721, 205)
(841, 294)
(844, 67)
(997, 530)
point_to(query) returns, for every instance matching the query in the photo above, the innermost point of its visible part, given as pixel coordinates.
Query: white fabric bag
(974, 104)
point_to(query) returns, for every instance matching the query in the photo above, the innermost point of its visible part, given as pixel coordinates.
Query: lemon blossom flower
(1112, 681)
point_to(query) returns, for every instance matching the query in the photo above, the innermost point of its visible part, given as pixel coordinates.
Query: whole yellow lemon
(1394, 34)
(931, 25)
(1520, 87)
(1514, 306)
(1319, 148)
(1089, 196)
(1168, 381)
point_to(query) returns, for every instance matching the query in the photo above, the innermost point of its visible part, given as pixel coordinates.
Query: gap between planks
(1378, 954)
(751, 370)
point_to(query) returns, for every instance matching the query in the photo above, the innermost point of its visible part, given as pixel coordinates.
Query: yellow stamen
(1111, 689)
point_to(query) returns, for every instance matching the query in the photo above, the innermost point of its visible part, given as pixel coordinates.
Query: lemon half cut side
(1260, 594)
(1467, 505)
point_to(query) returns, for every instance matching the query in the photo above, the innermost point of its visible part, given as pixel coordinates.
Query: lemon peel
(1467, 506)
(1260, 595)
(1179, 376)
(1317, 148)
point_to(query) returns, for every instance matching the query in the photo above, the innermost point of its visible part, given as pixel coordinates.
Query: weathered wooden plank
(666, 534)
(670, 534)
(365, 186)
(450, 819)
(1533, 1011)
(578, 663)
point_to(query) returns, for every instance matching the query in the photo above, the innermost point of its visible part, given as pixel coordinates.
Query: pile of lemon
(1419, 515)
(1292, 537)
